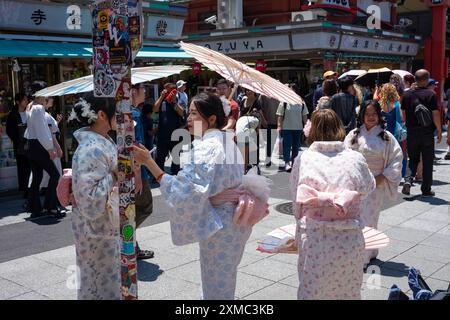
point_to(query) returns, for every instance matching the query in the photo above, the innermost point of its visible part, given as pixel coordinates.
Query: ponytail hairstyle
(86, 109)
(360, 121)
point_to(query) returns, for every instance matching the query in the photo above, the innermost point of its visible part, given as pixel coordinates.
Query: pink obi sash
(250, 209)
(64, 189)
(328, 206)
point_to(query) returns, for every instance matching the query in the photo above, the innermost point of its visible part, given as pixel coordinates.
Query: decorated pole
(117, 38)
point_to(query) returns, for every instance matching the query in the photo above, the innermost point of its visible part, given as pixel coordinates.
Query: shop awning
(159, 52)
(48, 49)
(53, 49)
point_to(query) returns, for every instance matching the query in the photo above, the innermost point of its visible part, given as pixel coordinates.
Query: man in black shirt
(420, 139)
(344, 104)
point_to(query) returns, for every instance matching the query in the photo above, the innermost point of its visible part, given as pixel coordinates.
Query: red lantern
(196, 68)
(261, 65)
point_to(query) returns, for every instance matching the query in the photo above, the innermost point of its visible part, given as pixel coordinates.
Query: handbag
(400, 130)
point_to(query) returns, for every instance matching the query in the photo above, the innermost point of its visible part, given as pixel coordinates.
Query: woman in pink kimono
(328, 183)
(384, 157)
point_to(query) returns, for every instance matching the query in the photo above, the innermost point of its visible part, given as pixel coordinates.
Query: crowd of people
(360, 145)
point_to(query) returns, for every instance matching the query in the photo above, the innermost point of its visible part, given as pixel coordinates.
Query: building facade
(51, 41)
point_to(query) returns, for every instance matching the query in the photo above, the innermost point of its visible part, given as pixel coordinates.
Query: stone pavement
(419, 229)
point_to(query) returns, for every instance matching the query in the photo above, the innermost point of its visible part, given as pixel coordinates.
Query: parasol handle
(236, 84)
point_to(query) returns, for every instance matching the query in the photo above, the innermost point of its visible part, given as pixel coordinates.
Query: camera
(211, 20)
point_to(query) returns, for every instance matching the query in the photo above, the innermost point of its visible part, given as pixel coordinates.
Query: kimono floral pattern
(331, 253)
(383, 157)
(96, 229)
(215, 165)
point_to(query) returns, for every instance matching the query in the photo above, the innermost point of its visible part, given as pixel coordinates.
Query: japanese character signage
(116, 38)
(38, 16)
(260, 65)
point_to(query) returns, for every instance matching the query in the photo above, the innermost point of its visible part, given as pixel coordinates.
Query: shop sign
(374, 45)
(164, 27)
(317, 40)
(196, 68)
(38, 16)
(261, 65)
(249, 45)
(333, 4)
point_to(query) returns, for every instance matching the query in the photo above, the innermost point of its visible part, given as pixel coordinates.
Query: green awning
(52, 49)
(159, 52)
(47, 49)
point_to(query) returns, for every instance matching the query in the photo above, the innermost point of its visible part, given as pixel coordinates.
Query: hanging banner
(117, 29)
(261, 65)
(196, 68)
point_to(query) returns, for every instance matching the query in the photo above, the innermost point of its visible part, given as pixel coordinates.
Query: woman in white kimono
(94, 223)
(384, 157)
(198, 214)
(328, 183)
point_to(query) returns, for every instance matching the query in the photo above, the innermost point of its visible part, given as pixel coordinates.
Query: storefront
(302, 51)
(51, 42)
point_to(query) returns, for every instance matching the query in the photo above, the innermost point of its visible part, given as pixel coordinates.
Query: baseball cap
(180, 83)
(329, 74)
(432, 82)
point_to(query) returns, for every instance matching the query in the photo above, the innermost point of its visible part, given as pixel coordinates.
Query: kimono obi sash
(328, 206)
(249, 208)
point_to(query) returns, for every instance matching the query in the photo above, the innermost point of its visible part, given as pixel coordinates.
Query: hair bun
(83, 113)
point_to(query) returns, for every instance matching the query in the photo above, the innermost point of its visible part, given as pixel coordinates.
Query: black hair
(208, 105)
(293, 86)
(344, 83)
(107, 105)
(37, 86)
(360, 121)
(329, 87)
(18, 98)
(222, 81)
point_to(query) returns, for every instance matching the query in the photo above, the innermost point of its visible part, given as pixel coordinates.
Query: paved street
(37, 257)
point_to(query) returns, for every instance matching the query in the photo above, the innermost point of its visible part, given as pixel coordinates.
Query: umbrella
(402, 73)
(241, 74)
(85, 84)
(352, 73)
(282, 240)
(374, 77)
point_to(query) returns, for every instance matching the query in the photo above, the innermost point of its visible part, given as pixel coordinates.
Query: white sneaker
(288, 167)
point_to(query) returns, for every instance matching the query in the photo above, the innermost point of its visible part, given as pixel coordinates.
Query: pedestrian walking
(318, 93)
(329, 88)
(197, 214)
(223, 90)
(328, 184)
(345, 104)
(291, 121)
(391, 113)
(422, 118)
(41, 151)
(269, 107)
(384, 157)
(143, 192)
(16, 124)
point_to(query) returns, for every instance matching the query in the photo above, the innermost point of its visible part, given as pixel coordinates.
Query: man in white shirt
(182, 95)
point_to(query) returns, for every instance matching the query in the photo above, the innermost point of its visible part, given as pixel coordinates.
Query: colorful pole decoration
(117, 27)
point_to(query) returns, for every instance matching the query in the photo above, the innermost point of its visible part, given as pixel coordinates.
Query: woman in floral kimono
(94, 223)
(328, 183)
(197, 196)
(384, 157)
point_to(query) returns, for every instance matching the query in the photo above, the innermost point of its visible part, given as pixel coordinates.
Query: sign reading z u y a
(271, 43)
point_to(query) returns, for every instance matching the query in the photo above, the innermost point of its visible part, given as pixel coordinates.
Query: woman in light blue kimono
(95, 223)
(215, 166)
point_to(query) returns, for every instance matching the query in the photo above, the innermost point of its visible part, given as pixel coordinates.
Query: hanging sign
(261, 65)
(196, 68)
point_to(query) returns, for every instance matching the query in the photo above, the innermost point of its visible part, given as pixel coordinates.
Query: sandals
(144, 254)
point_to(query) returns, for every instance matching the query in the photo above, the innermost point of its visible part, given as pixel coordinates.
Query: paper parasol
(282, 240)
